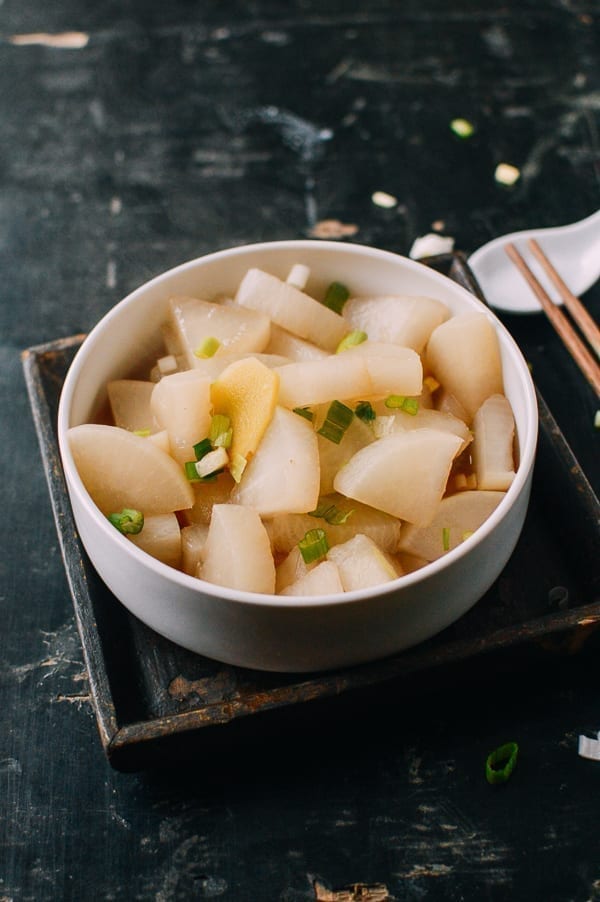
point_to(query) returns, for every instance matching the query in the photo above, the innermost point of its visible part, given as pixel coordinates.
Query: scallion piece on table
(331, 514)
(501, 763)
(364, 411)
(399, 402)
(129, 521)
(336, 422)
(336, 296)
(201, 449)
(313, 546)
(208, 347)
(351, 340)
(305, 412)
(220, 433)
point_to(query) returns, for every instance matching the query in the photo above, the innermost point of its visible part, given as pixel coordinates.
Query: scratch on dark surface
(63, 653)
(67, 40)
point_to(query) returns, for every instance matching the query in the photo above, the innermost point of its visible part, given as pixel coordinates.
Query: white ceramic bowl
(263, 631)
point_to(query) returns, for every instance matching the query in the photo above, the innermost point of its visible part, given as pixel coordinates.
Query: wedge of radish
(237, 552)
(404, 475)
(291, 309)
(494, 431)
(120, 469)
(361, 563)
(324, 579)
(283, 475)
(182, 405)
(401, 319)
(161, 538)
(235, 329)
(457, 517)
(129, 401)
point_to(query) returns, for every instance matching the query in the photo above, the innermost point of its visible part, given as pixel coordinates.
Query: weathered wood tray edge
(119, 738)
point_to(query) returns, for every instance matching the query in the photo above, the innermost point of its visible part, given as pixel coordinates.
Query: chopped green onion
(399, 402)
(305, 412)
(446, 538)
(201, 449)
(208, 347)
(194, 476)
(220, 433)
(144, 433)
(364, 411)
(129, 521)
(501, 763)
(313, 546)
(467, 535)
(351, 340)
(331, 514)
(462, 128)
(336, 422)
(336, 296)
(212, 463)
(237, 465)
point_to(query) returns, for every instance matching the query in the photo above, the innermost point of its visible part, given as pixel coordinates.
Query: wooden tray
(154, 701)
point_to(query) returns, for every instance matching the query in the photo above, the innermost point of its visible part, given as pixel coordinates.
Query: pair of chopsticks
(583, 357)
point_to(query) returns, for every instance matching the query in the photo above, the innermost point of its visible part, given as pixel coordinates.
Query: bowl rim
(527, 442)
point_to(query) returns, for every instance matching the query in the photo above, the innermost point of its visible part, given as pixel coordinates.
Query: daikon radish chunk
(283, 475)
(333, 456)
(404, 474)
(129, 401)
(392, 369)
(324, 579)
(123, 470)
(206, 494)
(291, 309)
(292, 567)
(235, 329)
(193, 540)
(212, 367)
(464, 356)
(247, 393)
(456, 518)
(410, 562)
(237, 553)
(399, 319)
(161, 538)
(400, 421)
(285, 344)
(494, 431)
(447, 403)
(182, 405)
(339, 377)
(361, 563)
(286, 531)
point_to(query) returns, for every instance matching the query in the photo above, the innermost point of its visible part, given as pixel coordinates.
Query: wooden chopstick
(583, 358)
(572, 303)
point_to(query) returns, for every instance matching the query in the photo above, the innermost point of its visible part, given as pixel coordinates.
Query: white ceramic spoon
(574, 251)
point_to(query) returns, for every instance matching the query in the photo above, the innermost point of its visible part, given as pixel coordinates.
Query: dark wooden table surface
(136, 135)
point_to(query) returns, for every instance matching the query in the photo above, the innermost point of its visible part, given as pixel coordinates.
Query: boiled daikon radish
(291, 309)
(332, 456)
(392, 369)
(400, 319)
(283, 474)
(400, 421)
(464, 356)
(361, 563)
(193, 540)
(161, 440)
(129, 401)
(283, 343)
(291, 569)
(182, 405)
(247, 393)
(123, 470)
(237, 552)
(324, 579)
(404, 474)
(494, 431)
(456, 518)
(286, 531)
(212, 367)
(161, 538)
(232, 328)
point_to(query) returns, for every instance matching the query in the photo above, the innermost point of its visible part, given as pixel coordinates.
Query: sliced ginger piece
(247, 393)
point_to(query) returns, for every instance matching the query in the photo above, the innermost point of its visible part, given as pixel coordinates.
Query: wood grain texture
(182, 128)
